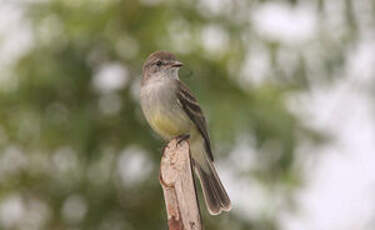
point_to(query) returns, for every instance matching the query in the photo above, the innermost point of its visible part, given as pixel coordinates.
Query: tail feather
(214, 193)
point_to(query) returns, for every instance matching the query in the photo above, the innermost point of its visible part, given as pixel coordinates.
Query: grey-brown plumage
(171, 110)
(192, 109)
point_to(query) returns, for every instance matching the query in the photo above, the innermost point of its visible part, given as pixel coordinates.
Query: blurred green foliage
(68, 135)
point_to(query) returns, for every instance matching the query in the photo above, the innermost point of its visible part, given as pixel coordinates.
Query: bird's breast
(162, 110)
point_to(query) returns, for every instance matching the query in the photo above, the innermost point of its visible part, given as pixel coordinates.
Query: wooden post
(177, 181)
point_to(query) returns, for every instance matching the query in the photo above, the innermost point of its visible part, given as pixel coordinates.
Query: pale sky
(340, 187)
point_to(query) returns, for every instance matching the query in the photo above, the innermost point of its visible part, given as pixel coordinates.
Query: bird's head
(161, 64)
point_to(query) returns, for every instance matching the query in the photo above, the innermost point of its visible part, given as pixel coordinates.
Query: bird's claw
(182, 138)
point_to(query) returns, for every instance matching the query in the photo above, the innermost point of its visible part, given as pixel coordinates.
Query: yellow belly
(167, 126)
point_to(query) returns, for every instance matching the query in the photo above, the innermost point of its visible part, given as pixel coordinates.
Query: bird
(172, 111)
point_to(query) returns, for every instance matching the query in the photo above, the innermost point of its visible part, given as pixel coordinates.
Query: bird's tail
(214, 194)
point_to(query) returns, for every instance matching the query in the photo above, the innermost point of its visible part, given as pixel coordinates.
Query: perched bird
(172, 111)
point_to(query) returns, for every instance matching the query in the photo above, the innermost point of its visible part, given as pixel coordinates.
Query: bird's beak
(177, 64)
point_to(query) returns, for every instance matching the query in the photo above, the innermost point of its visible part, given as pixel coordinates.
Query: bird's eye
(159, 63)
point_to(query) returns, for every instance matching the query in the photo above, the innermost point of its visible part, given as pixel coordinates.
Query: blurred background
(287, 88)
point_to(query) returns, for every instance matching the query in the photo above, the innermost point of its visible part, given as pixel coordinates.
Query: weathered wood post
(176, 179)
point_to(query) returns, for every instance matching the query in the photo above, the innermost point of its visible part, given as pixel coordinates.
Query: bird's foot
(182, 138)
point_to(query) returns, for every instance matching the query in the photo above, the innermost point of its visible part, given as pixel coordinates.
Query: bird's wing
(193, 110)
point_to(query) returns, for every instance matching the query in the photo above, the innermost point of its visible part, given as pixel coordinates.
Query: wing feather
(193, 110)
